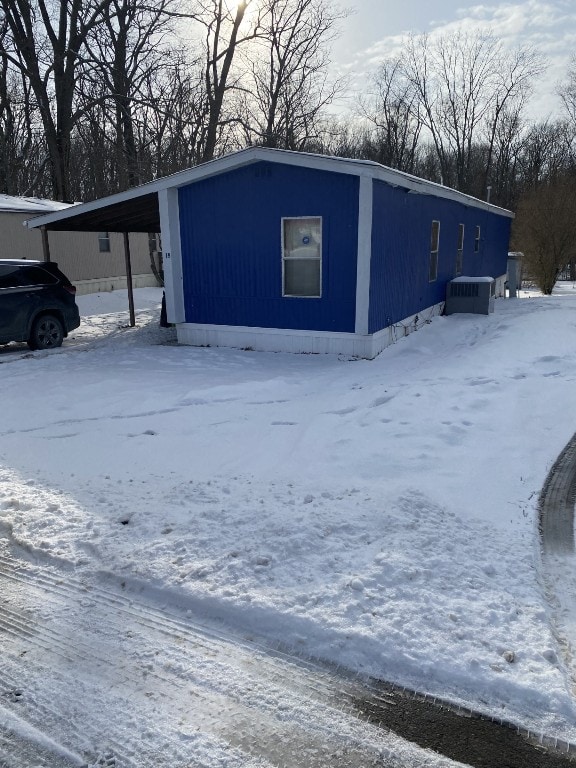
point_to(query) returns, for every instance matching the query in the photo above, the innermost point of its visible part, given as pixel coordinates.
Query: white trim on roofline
(288, 157)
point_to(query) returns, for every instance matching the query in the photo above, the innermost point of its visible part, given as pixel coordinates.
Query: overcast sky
(376, 27)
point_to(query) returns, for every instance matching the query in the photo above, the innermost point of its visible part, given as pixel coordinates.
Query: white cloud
(549, 27)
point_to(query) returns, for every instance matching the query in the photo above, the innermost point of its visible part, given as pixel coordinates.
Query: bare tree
(545, 152)
(567, 92)
(464, 83)
(289, 84)
(126, 50)
(502, 153)
(93, 167)
(46, 43)
(171, 128)
(225, 31)
(15, 125)
(515, 72)
(392, 109)
(545, 230)
(22, 146)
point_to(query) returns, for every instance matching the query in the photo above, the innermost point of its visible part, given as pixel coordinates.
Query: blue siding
(402, 222)
(230, 228)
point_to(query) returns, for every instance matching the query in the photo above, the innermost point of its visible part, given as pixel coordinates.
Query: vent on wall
(464, 290)
(470, 294)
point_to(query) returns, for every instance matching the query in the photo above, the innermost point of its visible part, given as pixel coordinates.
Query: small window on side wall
(460, 249)
(477, 240)
(434, 248)
(302, 257)
(104, 242)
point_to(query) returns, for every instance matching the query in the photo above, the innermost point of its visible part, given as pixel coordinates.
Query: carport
(137, 210)
(150, 208)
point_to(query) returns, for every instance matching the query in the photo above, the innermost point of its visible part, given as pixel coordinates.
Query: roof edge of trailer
(243, 157)
(31, 206)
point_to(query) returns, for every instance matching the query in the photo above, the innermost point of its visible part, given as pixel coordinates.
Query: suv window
(8, 276)
(52, 268)
(35, 276)
(15, 276)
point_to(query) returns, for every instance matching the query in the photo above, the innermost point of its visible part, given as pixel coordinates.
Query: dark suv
(37, 303)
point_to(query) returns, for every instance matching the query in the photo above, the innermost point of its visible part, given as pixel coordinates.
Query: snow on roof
(13, 204)
(463, 279)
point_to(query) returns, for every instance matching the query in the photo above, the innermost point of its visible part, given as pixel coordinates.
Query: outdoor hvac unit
(470, 294)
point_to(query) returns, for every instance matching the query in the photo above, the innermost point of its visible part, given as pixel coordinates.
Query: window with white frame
(302, 257)
(460, 249)
(104, 242)
(477, 240)
(434, 248)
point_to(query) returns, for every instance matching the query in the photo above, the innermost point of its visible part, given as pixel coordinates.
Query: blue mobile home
(285, 251)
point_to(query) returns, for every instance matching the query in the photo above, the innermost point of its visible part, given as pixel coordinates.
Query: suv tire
(47, 332)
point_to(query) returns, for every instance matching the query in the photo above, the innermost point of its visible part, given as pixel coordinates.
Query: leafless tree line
(454, 110)
(100, 95)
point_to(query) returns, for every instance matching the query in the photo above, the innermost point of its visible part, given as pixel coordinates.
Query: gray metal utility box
(470, 294)
(514, 273)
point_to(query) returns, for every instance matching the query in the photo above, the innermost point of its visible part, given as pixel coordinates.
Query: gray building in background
(94, 261)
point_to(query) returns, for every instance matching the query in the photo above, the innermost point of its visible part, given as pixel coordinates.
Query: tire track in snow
(37, 708)
(155, 666)
(56, 648)
(204, 639)
(207, 643)
(17, 750)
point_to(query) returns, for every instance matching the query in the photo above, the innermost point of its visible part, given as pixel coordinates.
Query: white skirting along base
(304, 342)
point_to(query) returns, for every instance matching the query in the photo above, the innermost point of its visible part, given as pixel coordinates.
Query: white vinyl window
(104, 242)
(434, 248)
(460, 250)
(302, 257)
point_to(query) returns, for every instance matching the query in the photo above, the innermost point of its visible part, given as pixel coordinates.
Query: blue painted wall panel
(402, 221)
(230, 228)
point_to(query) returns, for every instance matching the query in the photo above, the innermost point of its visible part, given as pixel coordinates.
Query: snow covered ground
(379, 514)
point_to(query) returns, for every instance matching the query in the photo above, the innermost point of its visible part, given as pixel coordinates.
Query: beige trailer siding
(17, 242)
(78, 254)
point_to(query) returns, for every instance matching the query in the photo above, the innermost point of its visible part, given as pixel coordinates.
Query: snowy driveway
(380, 515)
(93, 672)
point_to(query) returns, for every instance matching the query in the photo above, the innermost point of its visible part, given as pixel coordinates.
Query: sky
(378, 514)
(375, 28)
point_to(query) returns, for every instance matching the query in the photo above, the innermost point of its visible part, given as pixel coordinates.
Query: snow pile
(378, 514)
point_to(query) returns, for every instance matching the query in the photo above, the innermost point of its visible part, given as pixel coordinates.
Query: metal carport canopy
(140, 213)
(134, 210)
(135, 214)
(137, 209)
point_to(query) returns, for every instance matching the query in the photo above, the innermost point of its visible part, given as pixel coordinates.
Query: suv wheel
(47, 332)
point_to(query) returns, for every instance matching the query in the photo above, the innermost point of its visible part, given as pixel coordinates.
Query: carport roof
(138, 210)
(134, 214)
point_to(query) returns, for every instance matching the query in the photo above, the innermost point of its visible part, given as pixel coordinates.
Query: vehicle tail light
(70, 288)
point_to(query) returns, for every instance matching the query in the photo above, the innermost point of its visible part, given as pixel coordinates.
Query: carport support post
(45, 244)
(129, 279)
